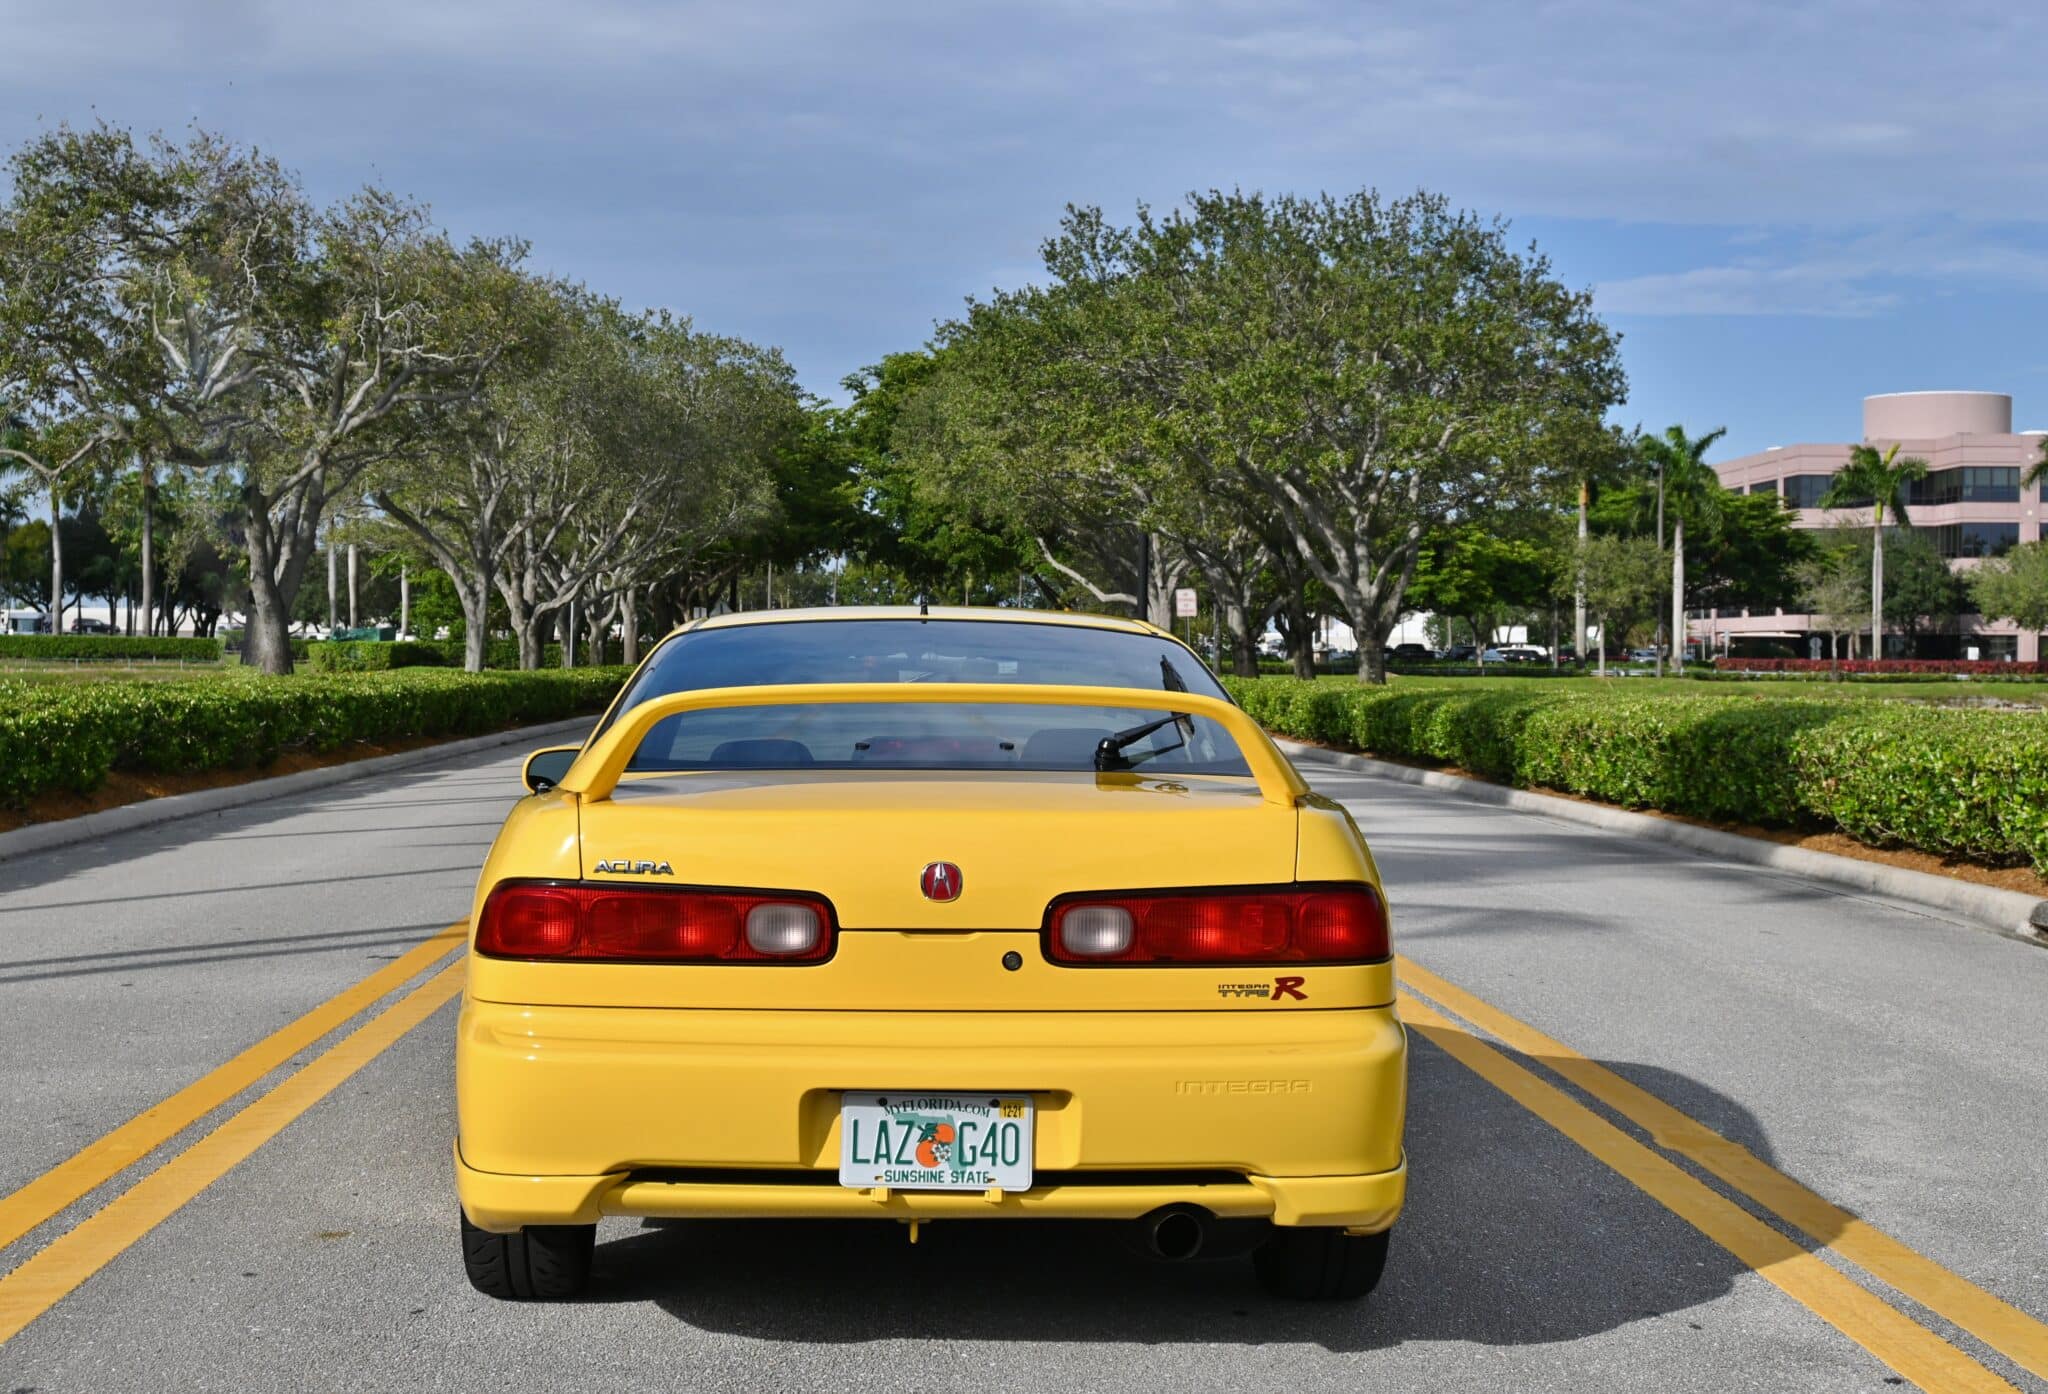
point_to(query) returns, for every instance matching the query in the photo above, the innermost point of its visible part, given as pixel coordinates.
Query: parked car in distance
(1459, 653)
(1411, 653)
(1642, 655)
(84, 625)
(1523, 655)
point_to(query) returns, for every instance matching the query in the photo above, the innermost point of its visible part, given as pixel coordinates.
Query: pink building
(1971, 502)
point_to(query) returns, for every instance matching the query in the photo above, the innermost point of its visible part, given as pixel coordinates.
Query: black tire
(539, 1262)
(1321, 1264)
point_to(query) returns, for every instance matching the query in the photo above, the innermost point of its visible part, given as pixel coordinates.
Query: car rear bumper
(493, 1201)
(568, 1113)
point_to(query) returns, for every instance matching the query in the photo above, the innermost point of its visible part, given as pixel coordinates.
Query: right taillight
(592, 922)
(1340, 923)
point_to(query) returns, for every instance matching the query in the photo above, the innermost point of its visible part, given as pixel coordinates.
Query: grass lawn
(63, 674)
(1938, 693)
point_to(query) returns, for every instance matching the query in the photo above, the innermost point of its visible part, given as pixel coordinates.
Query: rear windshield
(932, 736)
(924, 735)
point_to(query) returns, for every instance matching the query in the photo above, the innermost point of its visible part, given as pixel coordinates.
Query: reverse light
(588, 922)
(1335, 923)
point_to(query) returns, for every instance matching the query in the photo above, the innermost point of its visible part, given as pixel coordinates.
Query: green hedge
(106, 648)
(373, 656)
(231, 642)
(71, 737)
(1970, 784)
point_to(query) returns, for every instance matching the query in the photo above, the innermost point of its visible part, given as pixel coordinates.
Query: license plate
(935, 1142)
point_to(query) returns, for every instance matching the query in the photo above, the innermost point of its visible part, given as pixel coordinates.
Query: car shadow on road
(1512, 1236)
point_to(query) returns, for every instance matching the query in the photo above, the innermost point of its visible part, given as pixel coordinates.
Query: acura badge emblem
(940, 881)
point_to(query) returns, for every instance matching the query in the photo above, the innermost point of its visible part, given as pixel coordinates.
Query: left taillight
(1334, 923)
(585, 922)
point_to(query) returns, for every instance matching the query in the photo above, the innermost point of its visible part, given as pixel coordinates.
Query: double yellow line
(1905, 1345)
(56, 1270)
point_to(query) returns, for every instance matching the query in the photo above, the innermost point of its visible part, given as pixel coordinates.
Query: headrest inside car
(762, 754)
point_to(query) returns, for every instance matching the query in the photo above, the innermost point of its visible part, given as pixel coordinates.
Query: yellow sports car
(924, 915)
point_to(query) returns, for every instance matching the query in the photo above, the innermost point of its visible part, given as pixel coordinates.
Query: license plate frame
(927, 1140)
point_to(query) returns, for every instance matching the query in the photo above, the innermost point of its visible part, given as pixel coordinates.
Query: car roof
(1070, 618)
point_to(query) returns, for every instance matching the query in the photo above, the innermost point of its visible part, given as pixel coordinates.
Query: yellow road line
(100, 1161)
(67, 1261)
(2000, 1325)
(1901, 1343)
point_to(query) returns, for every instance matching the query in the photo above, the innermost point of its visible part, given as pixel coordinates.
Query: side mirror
(545, 768)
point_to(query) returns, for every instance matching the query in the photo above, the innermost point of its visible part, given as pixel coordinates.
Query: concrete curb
(2011, 913)
(37, 837)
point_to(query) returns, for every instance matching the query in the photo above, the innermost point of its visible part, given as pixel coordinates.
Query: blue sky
(1781, 207)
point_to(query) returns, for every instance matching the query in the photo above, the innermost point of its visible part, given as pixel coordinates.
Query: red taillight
(1295, 924)
(593, 923)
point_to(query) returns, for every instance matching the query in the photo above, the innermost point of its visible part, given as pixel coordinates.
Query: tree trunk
(266, 642)
(475, 599)
(629, 628)
(1877, 589)
(1678, 597)
(351, 585)
(565, 634)
(148, 545)
(1579, 578)
(56, 560)
(404, 600)
(1244, 645)
(333, 586)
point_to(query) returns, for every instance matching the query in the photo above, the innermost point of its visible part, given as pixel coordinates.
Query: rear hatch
(862, 839)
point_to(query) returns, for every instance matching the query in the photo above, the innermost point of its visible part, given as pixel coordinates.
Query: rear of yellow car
(856, 988)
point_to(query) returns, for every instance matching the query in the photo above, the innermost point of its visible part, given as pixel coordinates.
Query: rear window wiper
(1109, 751)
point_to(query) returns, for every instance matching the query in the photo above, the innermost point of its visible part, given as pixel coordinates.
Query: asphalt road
(1562, 1233)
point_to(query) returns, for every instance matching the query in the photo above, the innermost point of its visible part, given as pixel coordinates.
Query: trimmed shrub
(1969, 667)
(107, 648)
(70, 737)
(375, 656)
(1968, 784)
(231, 642)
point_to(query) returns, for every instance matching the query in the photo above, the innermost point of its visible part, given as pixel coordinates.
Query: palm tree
(2039, 472)
(1877, 482)
(1687, 484)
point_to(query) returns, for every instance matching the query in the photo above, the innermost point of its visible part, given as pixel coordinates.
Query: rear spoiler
(602, 763)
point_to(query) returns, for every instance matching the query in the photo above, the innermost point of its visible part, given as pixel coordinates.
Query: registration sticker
(935, 1142)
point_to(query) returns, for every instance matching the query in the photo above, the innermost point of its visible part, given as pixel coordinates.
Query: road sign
(1184, 603)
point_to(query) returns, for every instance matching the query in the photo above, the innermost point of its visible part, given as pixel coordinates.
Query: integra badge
(636, 868)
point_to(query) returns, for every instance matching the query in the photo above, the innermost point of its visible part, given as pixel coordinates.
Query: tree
(2039, 472)
(1478, 576)
(1833, 588)
(1747, 553)
(1922, 593)
(2014, 586)
(1624, 577)
(1367, 370)
(1688, 488)
(1877, 482)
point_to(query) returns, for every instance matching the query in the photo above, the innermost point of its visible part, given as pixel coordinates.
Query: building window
(1805, 490)
(1764, 486)
(1970, 484)
(1975, 539)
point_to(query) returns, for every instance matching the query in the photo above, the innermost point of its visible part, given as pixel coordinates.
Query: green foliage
(1954, 783)
(106, 648)
(2014, 586)
(71, 738)
(370, 656)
